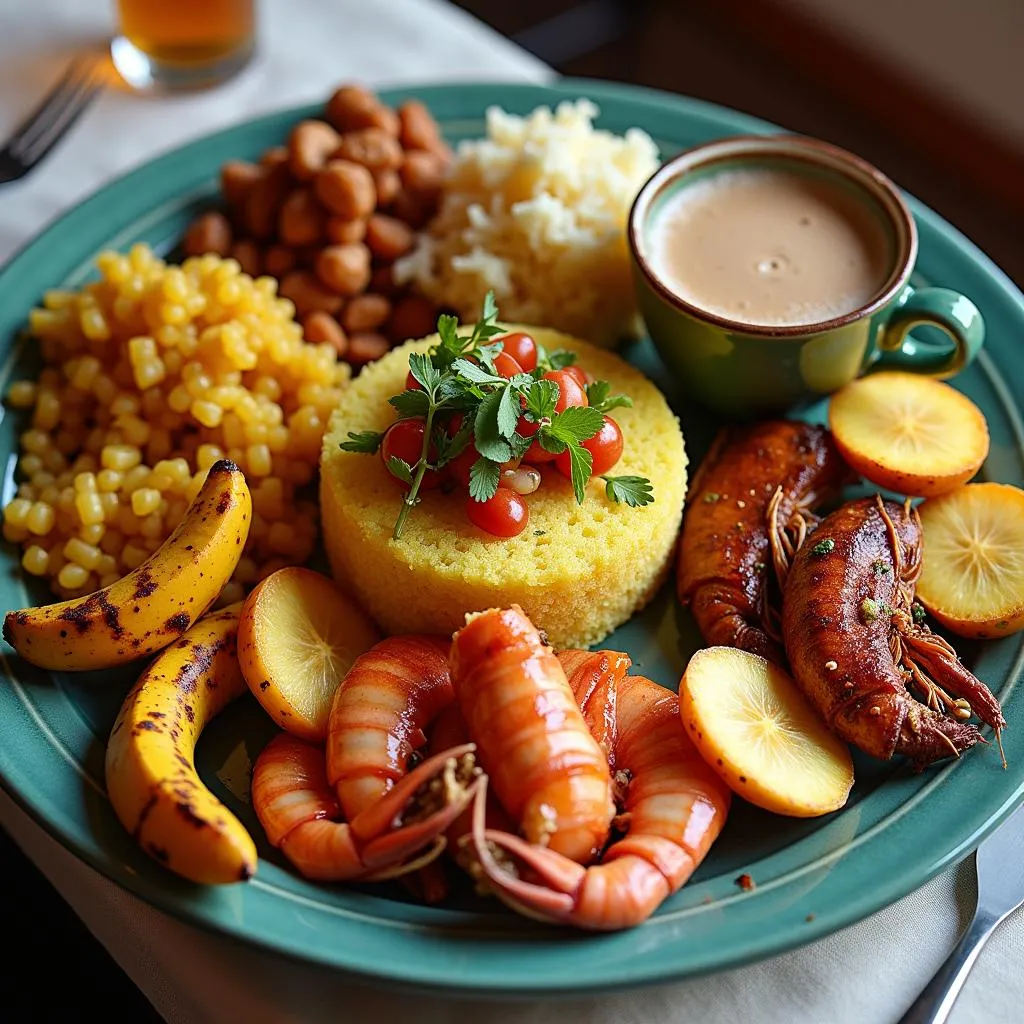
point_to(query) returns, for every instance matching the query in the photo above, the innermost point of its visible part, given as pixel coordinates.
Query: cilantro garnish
(457, 376)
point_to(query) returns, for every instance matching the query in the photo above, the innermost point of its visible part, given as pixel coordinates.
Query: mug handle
(953, 313)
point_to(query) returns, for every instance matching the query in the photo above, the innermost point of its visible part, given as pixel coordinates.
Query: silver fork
(59, 110)
(1000, 871)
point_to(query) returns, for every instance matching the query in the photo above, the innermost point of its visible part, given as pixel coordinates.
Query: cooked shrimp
(545, 767)
(593, 677)
(380, 714)
(399, 833)
(673, 810)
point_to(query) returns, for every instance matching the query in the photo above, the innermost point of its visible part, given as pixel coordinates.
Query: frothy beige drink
(770, 247)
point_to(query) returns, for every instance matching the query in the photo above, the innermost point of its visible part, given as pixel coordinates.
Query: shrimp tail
(551, 898)
(418, 810)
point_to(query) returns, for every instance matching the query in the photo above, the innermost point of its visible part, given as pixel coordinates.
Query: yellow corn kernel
(89, 507)
(108, 579)
(85, 482)
(257, 460)
(145, 500)
(125, 405)
(105, 564)
(207, 455)
(21, 394)
(94, 325)
(47, 411)
(40, 518)
(15, 534)
(86, 555)
(16, 511)
(132, 556)
(72, 577)
(93, 533)
(31, 464)
(35, 560)
(109, 480)
(36, 442)
(120, 456)
(267, 386)
(207, 413)
(278, 438)
(110, 503)
(152, 527)
(136, 477)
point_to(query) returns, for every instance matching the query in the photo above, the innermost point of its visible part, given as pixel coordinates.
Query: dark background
(757, 57)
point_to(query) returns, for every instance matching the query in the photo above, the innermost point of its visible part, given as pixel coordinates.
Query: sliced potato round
(908, 433)
(972, 575)
(298, 635)
(757, 730)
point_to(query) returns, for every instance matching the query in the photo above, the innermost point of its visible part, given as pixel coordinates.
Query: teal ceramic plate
(811, 877)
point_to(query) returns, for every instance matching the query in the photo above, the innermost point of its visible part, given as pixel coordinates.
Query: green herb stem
(412, 498)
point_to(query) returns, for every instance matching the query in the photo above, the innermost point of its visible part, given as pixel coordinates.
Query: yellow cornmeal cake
(578, 571)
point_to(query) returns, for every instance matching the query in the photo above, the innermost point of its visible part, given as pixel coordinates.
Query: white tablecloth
(866, 974)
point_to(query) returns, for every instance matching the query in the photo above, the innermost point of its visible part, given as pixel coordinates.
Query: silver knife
(999, 866)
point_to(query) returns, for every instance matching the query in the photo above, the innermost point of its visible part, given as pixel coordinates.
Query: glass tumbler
(182, 44)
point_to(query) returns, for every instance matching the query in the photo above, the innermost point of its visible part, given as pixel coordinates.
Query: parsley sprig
(457, 377)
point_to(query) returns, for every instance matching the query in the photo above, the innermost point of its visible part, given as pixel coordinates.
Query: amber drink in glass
(183, 44)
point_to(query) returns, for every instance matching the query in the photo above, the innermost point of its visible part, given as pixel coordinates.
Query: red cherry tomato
(460, 466)
(411, 383)
(570, 391)
(404, 440)
(522, 348)
(605, 448)
(578, 374)
(505, 515)
(506, 366)
(535, 455)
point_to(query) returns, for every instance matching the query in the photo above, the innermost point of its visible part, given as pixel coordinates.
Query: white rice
(536, 212)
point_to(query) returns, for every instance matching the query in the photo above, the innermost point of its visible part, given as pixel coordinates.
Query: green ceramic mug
(743, 370)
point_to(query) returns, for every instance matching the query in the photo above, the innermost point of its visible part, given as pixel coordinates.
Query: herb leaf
(366, 442)
(508, 412)
(487, 433)
(484, 477)
(634, 491)
(560, 359)
(599, 397)
(541, 399)
(400, 468)
(474, 372)
(580, 462)
(575, 424)
(520, 445)
(423, 371)
(410, 403)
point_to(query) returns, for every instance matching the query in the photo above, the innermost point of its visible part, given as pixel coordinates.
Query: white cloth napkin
(866, 974)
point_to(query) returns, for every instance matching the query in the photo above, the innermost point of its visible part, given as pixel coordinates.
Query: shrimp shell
(547, 770)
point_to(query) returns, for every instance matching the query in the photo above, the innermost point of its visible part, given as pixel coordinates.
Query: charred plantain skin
(150, 770)
(854, 647)
(156, 603)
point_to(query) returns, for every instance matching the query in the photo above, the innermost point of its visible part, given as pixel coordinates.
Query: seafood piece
(673, 809)
(855, 643)
(751, 506)
(380, 714)
(546, 769)
(398, 834)
(593, 677)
